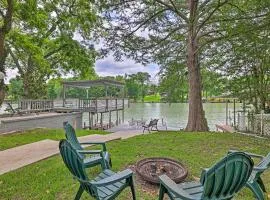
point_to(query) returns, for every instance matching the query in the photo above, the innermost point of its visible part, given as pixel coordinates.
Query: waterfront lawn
(155, 98)
(49, 179)
(30, 136)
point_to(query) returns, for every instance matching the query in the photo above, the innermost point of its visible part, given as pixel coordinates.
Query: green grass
(26, 137)
(49, 179)
(152, 98)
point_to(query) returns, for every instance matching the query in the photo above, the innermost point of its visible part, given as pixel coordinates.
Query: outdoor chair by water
(106, 186)
(98, 157)
(152, 124)
(255, 182)
(221, 181)
(12, 110)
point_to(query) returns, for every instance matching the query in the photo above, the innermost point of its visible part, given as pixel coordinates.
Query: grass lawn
(26, 137)
(152, 98)
(49, 179)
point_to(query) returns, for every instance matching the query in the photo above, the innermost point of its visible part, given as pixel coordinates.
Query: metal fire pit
(151, 168)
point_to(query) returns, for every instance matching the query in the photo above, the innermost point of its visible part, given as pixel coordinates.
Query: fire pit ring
(151, 168)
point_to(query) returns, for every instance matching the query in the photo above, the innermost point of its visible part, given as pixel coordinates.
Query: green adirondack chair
(97, 157)
(221, 181)
(106, 186)
(255, 182)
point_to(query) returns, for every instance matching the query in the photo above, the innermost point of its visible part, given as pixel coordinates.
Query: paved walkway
(21, 156)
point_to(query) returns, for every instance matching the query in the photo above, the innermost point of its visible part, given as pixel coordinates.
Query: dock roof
(90, 83)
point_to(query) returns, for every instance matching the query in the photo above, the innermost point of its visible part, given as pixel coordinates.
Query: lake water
(175, 114)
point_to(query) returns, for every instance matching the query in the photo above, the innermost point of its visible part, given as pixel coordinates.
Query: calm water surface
(175, 114)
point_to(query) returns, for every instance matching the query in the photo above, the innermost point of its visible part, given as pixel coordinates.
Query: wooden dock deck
(225, 128)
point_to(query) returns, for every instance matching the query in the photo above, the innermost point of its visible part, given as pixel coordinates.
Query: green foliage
(213, 84)
(49, 179)
(15, 88)
(43, 42)
(173, 82)
(133, 89)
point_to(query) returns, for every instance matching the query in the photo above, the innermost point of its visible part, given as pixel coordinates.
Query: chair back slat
(71, 136)
(227, 177)
(72, 160)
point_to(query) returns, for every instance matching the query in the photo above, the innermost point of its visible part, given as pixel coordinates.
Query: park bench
(255, 182)
(107, 185)
(97, 157)
(221, 181)
(152, 124)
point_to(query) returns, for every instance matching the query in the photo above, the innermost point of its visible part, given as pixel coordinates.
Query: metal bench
(152, 124)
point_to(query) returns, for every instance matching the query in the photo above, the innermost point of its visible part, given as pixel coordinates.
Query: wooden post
(123, 110)
(110, 119)
(64, 95)
(97, 117)
(262, 111)
(234, 117)
(90, 120)
(227, 112)
(101, 120)
(107, 105)
(116, 117)
(106, 90)
(96, 106)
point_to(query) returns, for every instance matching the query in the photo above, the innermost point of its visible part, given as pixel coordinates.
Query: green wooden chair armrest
(103, 144)
(89, 151)
(248, 153)
(113, 179)
(260, 169)
(172, 187)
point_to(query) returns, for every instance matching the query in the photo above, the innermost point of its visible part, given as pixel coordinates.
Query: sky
(109, 67)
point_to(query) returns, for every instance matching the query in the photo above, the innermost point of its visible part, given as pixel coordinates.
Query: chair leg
(256, 189)
(132, 189)
(79, 193)
(260, 182)
(161, 192)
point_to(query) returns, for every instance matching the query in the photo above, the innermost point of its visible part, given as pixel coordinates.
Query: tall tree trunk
(196, 116)
(4, 30)
(2, 68)
(26, 86)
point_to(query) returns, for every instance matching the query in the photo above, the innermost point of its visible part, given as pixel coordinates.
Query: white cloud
(109, 67)
(10, 73)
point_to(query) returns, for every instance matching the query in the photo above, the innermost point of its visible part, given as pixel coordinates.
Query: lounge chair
(98, 157)
(221, 181)
(14, 111)
(255, 182)
(106, 186)
(152, 124)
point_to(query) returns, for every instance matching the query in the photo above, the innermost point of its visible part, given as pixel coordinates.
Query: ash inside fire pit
(150, 168)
